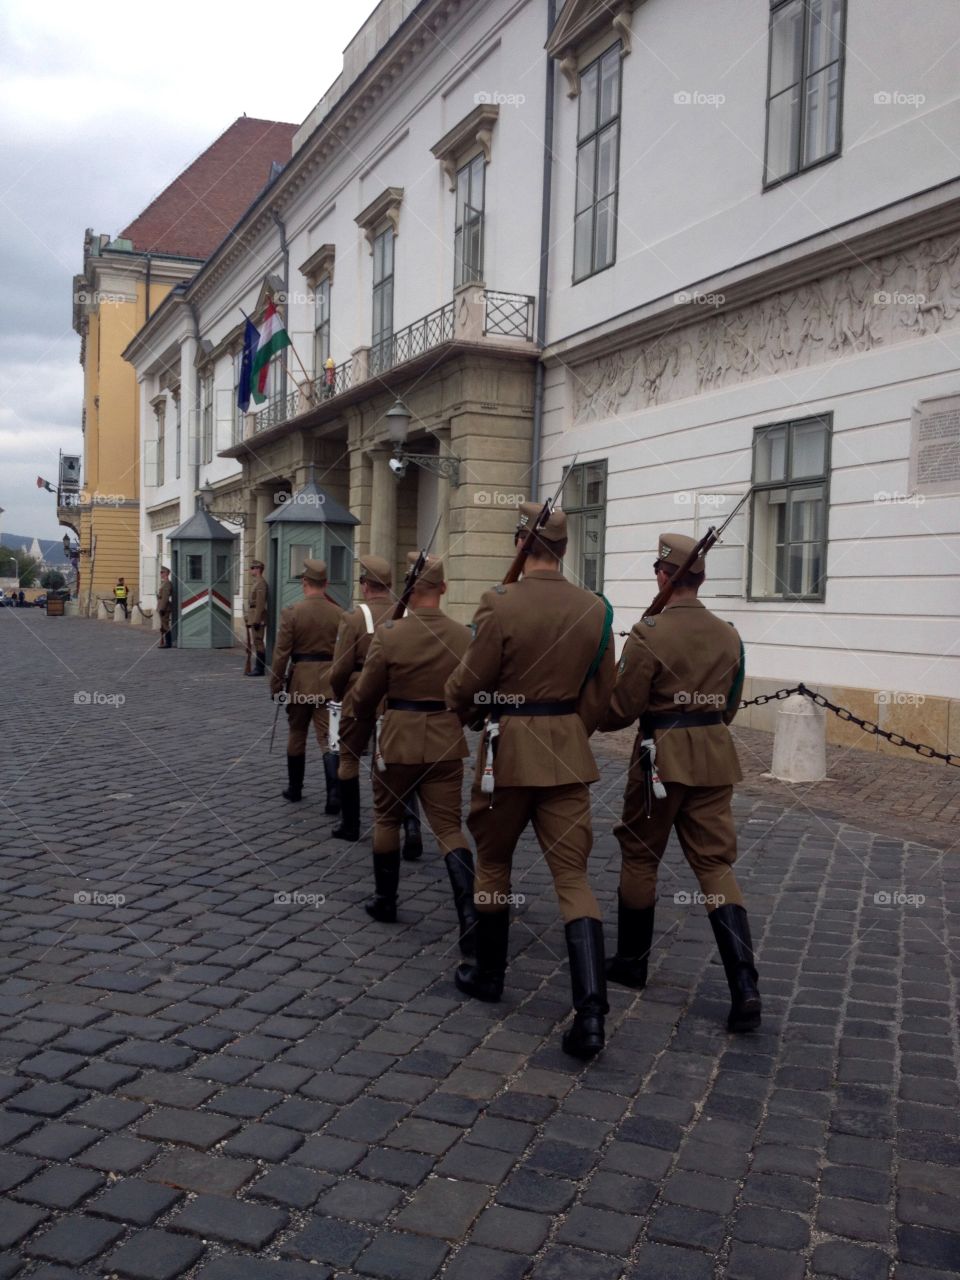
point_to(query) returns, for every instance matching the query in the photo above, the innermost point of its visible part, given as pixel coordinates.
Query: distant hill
(47, 550)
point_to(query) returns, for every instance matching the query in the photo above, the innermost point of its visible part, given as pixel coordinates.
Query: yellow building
(123, 282)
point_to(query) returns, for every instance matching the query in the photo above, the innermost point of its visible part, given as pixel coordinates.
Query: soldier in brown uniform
(681, 674)
(255, 616)
(353, 642)
(420, 743)
(542, 661)
(308, 633)
(165, 609)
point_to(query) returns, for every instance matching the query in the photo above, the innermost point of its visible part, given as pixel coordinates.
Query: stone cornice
(319, 264)
(849, 244)
(386, 208)
(475, 129)
(581, 21)
(393, 63)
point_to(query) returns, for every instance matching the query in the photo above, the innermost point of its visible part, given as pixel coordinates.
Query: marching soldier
(420, 744)
(165, 609)
(308, 633)
(542, 661)
(681, 674)
(255, 616)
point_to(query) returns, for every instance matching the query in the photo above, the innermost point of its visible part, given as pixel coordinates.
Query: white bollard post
(799, 744)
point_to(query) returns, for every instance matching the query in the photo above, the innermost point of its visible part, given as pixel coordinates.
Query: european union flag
(251, 337)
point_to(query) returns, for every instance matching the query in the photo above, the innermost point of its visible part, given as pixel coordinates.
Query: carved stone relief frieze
(883, 301)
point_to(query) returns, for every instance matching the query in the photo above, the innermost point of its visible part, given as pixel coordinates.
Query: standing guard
(681, 674)
(353, 642)
(307, 636)
(420, 745)
(255, 617)
(542, 662)
(165, 609)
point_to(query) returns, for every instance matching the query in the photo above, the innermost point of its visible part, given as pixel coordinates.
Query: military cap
(432, 575)
(315, 570)
(376, 570)
(256, 564)
(164, 568)
(673, 549)
(555, 529)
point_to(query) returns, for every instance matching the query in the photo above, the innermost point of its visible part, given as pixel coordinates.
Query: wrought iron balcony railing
(501, 315)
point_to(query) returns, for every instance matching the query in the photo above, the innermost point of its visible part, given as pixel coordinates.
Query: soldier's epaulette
(500, 589)
(649, 622)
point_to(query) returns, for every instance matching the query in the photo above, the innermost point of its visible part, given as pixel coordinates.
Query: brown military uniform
(684, 662)
(307, 636)
(165, 609)
(535, 642)
(423, 749)
(353, 644)
(255, 615)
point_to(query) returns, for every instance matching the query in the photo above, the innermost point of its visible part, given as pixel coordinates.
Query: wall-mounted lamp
(447, 466)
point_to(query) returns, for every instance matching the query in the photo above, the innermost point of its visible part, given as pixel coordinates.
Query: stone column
(383, 507)
(260, 544)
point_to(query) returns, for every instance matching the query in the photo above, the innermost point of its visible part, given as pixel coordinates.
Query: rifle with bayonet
(709, 539)
(413, 574)
(525, 547)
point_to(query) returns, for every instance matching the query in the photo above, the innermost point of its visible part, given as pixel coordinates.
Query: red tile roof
(191, 216)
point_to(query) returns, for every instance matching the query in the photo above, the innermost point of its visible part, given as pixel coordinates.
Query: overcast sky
(99, 111)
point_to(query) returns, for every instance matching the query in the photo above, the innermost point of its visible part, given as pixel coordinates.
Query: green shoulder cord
(736, 689)
(604, 640)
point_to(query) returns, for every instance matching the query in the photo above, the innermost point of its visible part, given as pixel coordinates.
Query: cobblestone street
(215, 1065)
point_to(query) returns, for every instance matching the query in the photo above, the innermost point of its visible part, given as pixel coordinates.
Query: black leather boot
(349, 826)
(331, 766)
(460, 870)
(628, 968)
(588, 981)
(484, 979)
(412, 839)
(732, 932)
(258, 669)
(386, 878)
(295, 770)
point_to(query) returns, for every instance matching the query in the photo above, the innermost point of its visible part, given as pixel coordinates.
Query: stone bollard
(103, 613)
(799, 744)
(118, 613)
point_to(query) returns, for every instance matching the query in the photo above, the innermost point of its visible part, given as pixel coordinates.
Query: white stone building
(743, 270)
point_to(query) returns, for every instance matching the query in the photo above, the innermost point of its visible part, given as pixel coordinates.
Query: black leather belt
(408, 704)
(568, 708)
(681, 720)
(311, 657)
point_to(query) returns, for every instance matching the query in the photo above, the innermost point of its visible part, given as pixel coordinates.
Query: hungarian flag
(273, 339)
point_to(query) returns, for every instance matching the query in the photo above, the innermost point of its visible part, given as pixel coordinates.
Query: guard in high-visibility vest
(121, 595)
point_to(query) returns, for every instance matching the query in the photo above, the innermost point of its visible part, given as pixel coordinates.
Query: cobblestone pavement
(202, 1078)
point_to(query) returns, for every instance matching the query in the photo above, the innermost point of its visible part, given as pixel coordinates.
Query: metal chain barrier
(868, 726)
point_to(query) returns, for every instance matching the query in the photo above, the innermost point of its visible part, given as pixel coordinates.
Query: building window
(584, 503)
(206, 386)
(468, 228)
(805, 85)
(381, 351)
(161, 412)
(598, 162)
(299, 551)
(195, 568)
(788, 519)
(321, 328)
(178, 430)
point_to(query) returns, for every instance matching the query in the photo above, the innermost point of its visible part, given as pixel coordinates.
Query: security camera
(399, 467)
